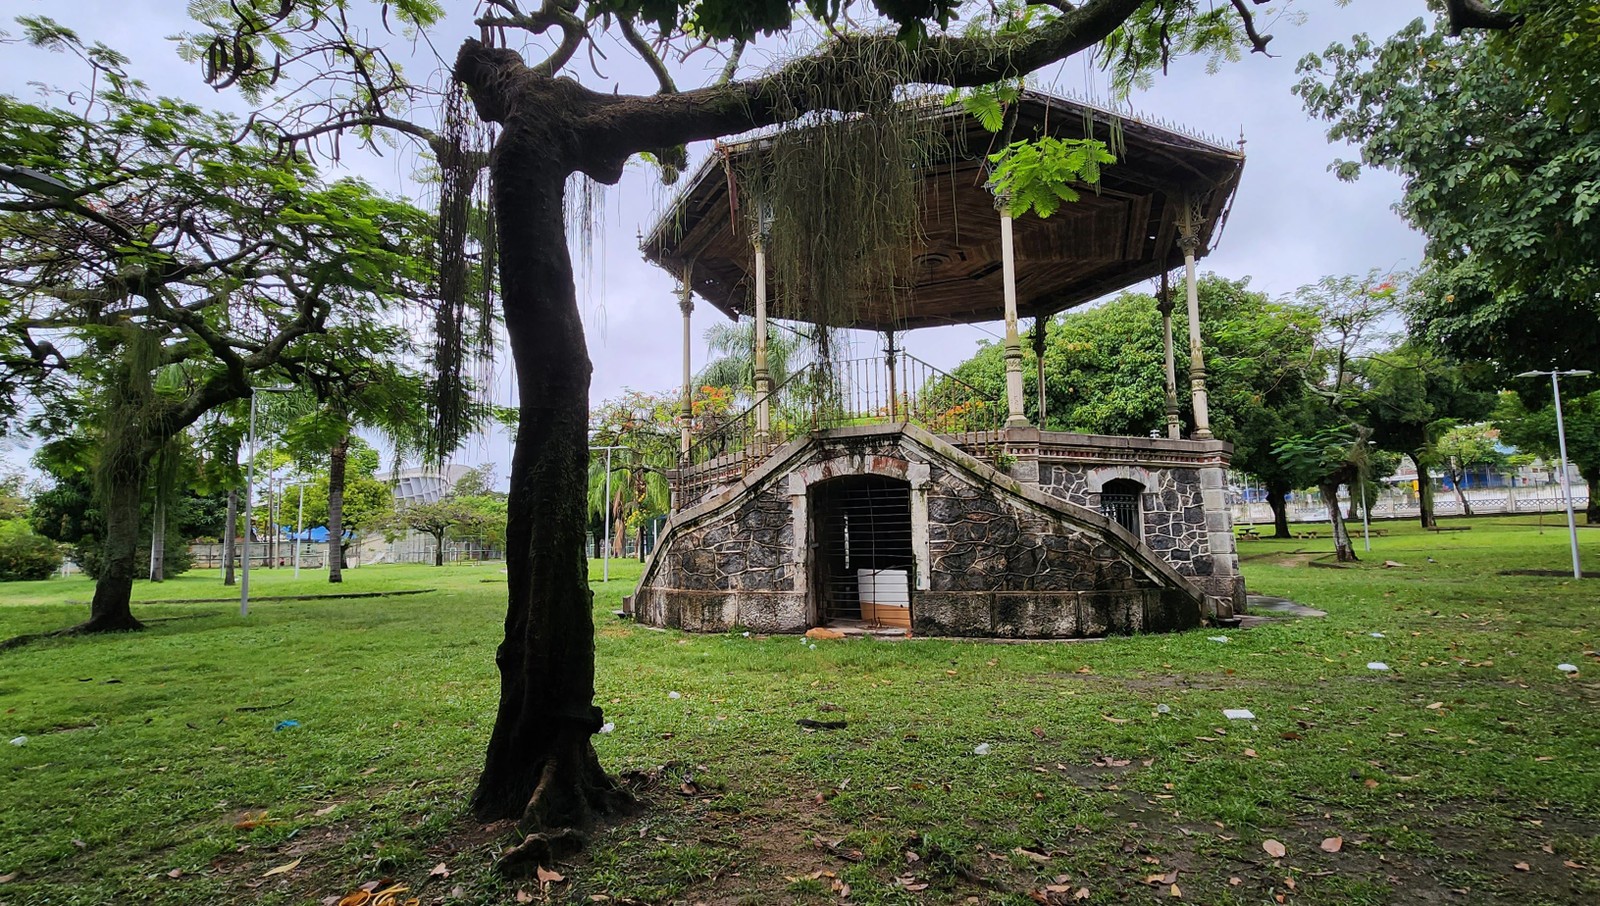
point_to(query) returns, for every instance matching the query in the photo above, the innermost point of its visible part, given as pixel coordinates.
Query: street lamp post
(605, 517)
(249, 506)
(1561, 443)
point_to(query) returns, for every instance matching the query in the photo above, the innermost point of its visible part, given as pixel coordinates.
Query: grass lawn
(158, 769)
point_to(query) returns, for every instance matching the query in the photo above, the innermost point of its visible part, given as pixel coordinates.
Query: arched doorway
(861, 559)
(1121, 500)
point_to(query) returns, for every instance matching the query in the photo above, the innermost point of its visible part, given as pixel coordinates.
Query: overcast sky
(1292, 221)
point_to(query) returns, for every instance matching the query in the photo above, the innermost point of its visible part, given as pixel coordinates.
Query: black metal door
(857, 522)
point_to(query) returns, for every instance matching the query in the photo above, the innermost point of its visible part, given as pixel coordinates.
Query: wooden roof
(1118, 233)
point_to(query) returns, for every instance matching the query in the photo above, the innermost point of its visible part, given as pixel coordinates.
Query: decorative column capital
(1188, 241)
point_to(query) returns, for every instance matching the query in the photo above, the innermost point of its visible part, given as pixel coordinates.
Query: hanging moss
(842, 185)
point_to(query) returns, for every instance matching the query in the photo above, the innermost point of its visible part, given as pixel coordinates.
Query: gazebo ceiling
(1117, 234)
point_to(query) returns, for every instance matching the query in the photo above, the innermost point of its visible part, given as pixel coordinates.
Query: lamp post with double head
(249, 505)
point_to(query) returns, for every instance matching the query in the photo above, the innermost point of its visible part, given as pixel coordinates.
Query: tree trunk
(1278, 502)
(336, 468)
(123, 483)
(1425, 495)
(438, 549)
(1342, 548)
(1591, 477)
(230, 538)
(158, 538)
(1458, 475)
(540, 766)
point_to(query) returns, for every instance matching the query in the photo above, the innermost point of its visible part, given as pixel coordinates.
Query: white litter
(747, 634)
(1567, 668)
(1163, 709)
(673, 695)
(19, 741)
(813, 646)
(1238, 714)
(981, 749)
(608, 727)
(1377, 635)
(1218, 638)
(1377, 665)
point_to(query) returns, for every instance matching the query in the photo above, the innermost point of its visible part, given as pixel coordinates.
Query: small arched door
(1120, 500)
(860, 548)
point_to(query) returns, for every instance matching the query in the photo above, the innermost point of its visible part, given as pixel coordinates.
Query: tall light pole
(1561, 443)
(249, 507)
(605, 516)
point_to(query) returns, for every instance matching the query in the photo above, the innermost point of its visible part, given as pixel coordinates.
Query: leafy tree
(1463, 448)
(540, 767)
(1501, 165)
(160, 266)
(1105, 373)
(446, 516)
(645, 426)
(1412, 395)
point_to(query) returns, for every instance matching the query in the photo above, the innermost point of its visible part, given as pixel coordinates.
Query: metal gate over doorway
(861, 550)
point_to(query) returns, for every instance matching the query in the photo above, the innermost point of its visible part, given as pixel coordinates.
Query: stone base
(1045, 615)
(722, 611)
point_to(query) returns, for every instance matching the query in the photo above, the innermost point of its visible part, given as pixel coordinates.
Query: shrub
(25, 555)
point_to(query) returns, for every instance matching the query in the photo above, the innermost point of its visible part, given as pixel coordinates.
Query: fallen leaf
(1370, 784)
(8, 877)
(1332, 844)
(1082, 893)
(547, 876)
(1289, 883)
(439, 871)
(1522, 866)
(1029, 854)
(175, 873)
(524, 897)
(1273, 848)
(1568, 863)
(1249, 753)
(1436, 706)
(324, 811)
(1175, 892)
(1235, 881)
(1116, 720)
(285, 868)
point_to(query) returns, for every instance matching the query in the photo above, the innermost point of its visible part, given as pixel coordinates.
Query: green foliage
(1532, 428)
(1501, 171)
(1038, 174)
(24, 554)
(368, 503)
(1474, 446)
(1105, 371)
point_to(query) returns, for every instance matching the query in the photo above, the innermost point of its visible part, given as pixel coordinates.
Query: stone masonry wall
(989, 563)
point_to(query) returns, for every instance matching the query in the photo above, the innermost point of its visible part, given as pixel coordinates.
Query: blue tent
(316, 535)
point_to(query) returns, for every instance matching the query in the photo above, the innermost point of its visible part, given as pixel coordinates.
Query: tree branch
(1465, 14)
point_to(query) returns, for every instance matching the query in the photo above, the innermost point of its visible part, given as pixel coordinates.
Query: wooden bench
(1449, 528)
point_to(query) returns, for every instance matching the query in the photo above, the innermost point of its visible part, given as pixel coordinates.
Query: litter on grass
(607, 727)
(1564, 668)
(286, 725)
(1377, 665)
(19, 740)
(1238, 714)
(1377, 635)
(673, 695)
(1217, 638)
(1163, 709)
(981, 749)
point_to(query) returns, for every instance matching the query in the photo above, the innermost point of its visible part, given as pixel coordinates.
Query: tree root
(540, 849)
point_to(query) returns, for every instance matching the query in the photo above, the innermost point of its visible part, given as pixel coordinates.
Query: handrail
(822, 395)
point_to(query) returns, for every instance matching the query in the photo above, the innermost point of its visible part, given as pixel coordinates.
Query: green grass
(140, 761)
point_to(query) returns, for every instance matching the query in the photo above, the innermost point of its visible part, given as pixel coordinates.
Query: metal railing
(823, 395)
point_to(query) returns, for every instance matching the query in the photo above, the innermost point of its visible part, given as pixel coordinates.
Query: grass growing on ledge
(150, 758)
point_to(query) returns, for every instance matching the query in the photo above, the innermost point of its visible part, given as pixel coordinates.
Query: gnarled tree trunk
(540, 767)
(336, 470)
(122, 484)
